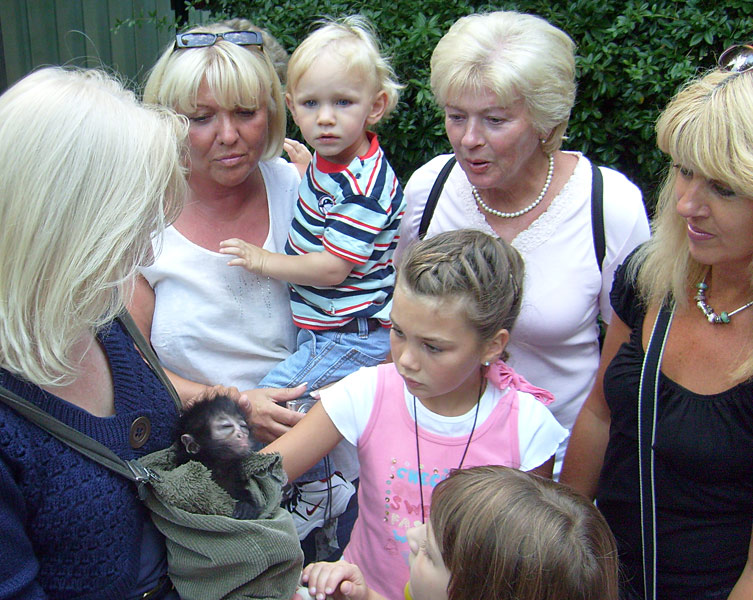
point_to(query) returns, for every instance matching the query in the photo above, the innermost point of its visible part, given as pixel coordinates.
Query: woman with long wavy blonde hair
(699, 264)
(87, 176)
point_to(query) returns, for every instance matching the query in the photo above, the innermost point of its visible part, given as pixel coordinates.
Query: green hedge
(631, 56)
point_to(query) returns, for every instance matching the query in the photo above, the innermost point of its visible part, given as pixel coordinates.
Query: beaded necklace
(700, 301)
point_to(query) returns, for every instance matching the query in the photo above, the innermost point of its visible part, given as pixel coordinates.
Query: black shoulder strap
(647, 400)
(431, 202)
(597, 214)
(597, 207)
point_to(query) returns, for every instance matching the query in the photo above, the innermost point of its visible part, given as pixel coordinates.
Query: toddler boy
(338, 258)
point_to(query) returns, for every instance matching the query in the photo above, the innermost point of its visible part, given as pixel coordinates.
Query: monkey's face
(231, 433)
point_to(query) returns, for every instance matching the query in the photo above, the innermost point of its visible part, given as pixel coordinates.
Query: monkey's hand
(251, 257)
(298, 153)
(214, 391)
(339, 580)
(263, 411)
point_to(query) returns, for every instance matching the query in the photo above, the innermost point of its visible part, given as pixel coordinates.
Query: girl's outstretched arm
(340, 580)
(307, 443)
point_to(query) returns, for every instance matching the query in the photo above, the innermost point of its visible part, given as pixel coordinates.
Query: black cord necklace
(462, 458)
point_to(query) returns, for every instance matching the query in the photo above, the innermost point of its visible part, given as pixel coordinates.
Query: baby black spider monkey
(215, 432)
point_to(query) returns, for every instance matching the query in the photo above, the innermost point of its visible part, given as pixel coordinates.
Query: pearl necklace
(700, 301)
(517, 213)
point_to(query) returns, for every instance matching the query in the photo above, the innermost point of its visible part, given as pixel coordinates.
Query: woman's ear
(377, 108)
(494, 348)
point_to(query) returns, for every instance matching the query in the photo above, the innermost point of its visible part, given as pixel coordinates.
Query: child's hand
(247, 255)
(340, 580)
(298, 153)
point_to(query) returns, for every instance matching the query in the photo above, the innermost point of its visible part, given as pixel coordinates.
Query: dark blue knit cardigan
(70, 528)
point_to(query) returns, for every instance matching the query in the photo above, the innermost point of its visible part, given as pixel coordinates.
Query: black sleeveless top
(703, 471)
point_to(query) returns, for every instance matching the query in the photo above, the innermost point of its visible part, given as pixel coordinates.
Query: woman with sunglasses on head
(505, 82)
(693, 457)
(210, 323)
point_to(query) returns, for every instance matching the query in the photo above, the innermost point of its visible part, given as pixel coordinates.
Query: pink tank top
(388, 496)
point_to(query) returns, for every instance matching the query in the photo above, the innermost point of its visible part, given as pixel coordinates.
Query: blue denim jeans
(323, 357)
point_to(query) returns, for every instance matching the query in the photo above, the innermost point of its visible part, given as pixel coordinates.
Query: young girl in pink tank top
(495, 534)
(447, 401)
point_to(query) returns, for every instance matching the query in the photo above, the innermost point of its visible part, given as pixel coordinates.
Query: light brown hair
(484, 272)
(508, 535)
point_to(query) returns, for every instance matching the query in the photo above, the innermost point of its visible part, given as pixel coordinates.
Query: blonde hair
(706, 127)
(354, 40)
(508, 535)
(87, 176)
(241, 76)
(516, 56)
(277, 54)
(486, 273)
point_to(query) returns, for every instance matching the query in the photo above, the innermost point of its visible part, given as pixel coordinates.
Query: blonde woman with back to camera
(697, 265)
(87, 175)
(505, 82)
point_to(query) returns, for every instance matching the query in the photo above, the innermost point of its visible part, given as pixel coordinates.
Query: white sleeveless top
(215, 324)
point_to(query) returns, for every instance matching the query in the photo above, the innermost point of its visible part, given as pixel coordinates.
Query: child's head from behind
(338, 85)
(505, 534)
(483, 274)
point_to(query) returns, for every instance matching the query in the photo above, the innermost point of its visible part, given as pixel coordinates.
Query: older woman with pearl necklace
(505, 82)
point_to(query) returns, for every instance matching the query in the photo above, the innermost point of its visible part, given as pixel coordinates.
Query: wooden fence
(36, 33)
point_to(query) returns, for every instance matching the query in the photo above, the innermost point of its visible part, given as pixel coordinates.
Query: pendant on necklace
(700, 301)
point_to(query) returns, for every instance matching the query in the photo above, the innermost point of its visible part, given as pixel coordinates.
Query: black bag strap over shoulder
(150, 356)
(647, 399)
(431, 202)
(597, 207)
(597, 214)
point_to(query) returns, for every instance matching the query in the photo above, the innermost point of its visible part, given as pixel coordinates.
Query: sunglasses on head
(737, 58)
(202, 40)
